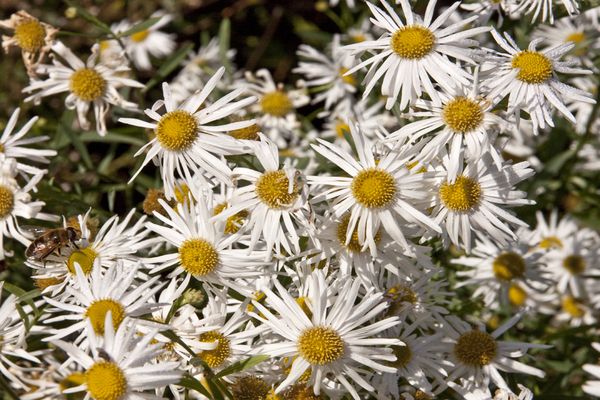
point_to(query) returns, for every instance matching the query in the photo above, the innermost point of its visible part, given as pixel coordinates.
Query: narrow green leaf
(111, 199)
(168, 66)
(555, 164)
(242, 365)
(17, 291)
(224, 43)
(81, 11)
(190, 382)
(32, 294)
(111, 137)
(65, 126)
(139, 27)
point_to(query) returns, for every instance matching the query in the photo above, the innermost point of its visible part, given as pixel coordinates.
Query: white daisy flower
(583, 110)
(16, 202)
(272, 198)
(87, 83)
(545, 6)
(552, 234)
(151, 41)
(276, 107)
(470, 391)
(500, 271)
(203, 248)
(462, 119)
(330, 340)
(184, 141)
(415, 52)
(326, 73)
(12, 146)
(592, 387)
(577, 311)
(54, 380)
(121, 365)
(112, 290)
(478, 355)
(484, 10)
(378, 192)
(471, 202)
(529, 78)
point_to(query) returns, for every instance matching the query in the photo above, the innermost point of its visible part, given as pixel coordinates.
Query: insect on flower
(49, 241)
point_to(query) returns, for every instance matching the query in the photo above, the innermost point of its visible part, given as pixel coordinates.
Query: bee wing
(34, 230)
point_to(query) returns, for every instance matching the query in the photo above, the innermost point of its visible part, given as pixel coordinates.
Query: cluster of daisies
(291, 258)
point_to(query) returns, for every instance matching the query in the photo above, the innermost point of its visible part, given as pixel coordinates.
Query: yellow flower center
(30, 35)
(400, 294)
(97, 314)
(7, 202)
(177, 130)
(403, 356)
(574, 264)
(140, 36)
(462, 196)
(517, 295)
(320, 345)
(373, 188)
(340, 127)
(198, 257)
(182, 193)
(45, 283)
(85, 258)
(349, 79)
(550, 242)
(418, 395)
(577, 37)
(508, 266)
(105, 381)
(299, 391)
(272, 188)
(71, 381)
(277, 104)
(354, 245)
(247, 133)
(235, 222)
(413, 42)
(574, 307)
(87, 84)
(251, 388)
(535, 66)
(303, 303)
(151, 203)
(218, 356)
(476, 348)
(462, 114)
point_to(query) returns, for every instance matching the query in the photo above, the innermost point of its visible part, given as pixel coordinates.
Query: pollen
(276, 103)
(403, 356)
(508, 266)
(299, 391)
(535, 67)
(30, 35)
(461, 196)
(419, 395)
(574, 307)
(140, 36)
(574, 264)
(97, 314)
(373, 188)
(73, 380)
(251, 388)
(105, 381)
(177, 130)
(462, 115)
(272, 188)
(516, 295)
(7, 202)
(476, 348)
(198, 257)
(87, 84)
(349, 79)
(216, 357)
(182, 192)
(235, 222)
(45, 283)
(353, 245)
(550, 242)
(151, 203)
(85, 258)
(413, 42)
(320, 345)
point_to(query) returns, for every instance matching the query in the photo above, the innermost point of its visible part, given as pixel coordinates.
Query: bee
(49, 241)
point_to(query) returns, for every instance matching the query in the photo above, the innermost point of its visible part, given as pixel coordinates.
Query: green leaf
(190, 382)
(32, 294)
(556, 163)
(168, 66)
(224, 39)
(570, 332)
(65, 126)
(17, 291)
(111, 137)
(242, 365)
(81, 11)
(142, 26)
